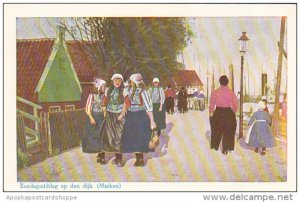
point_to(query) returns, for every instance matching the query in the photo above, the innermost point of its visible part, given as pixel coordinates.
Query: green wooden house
(54, 73)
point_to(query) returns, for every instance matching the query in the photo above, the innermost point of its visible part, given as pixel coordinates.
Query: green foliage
(22, 159)
(128, 45)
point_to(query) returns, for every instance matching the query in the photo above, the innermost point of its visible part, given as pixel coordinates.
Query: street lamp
(243, 48)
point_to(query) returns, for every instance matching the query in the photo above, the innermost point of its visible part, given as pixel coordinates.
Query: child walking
(259, 134)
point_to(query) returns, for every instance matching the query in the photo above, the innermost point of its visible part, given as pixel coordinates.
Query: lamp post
(243, 48)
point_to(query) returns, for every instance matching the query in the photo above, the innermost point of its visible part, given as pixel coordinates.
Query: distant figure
(190, 98)
(201, 98)
(284, 107)
(170, 103)
(266, 109)
(222, 109)
(157, 96)
(259, 133)
(198, 100)
(182, 100)
(196, 104)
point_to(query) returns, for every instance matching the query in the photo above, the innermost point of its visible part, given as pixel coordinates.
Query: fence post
(35, 114)
(45, 130)
(49, 135)
(21, 137)
(42, 132)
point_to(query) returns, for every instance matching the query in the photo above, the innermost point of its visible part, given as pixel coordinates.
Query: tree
(129, 45)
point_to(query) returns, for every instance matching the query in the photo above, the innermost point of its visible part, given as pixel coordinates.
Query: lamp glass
(243, 46)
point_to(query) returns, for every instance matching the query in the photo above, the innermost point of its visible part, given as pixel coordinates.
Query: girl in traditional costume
(91, 140)
(260, 134)
(138, 121)
(115, 105)
(157, 96)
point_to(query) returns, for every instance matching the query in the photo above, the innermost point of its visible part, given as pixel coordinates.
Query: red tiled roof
(83, 61)
(32, 57)
(187, 78)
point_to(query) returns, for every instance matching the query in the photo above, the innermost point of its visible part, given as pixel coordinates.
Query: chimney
(61, 33)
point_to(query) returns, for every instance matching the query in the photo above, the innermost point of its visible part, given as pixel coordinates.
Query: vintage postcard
(149, 97)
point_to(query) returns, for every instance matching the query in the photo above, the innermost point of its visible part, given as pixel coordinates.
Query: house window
(54, 108)
(69, 107)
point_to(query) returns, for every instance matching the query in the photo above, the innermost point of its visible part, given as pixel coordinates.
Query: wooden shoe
(139, 163)
(224, 152)
(118, 162)
(263, 152)
(101, 158)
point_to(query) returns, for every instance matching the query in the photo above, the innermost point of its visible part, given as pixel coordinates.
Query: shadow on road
(243, 144)
(160, 151)
(162, 148)
(208, 135)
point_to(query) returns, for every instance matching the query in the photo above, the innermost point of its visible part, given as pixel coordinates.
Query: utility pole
(220, 73)
(199, 71)
(207, 75)
(213, 81)
(275, 125)
(249, 90)
(231, 77)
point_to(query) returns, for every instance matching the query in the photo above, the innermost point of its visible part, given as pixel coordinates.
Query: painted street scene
(150, 99)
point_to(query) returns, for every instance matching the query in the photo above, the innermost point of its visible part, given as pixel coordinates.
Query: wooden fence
(42, 134)
(66, 129)
(31, 135)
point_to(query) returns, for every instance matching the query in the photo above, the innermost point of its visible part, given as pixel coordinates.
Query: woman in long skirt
(139, 121)
(182, 100)
(114, 106)
(91, 140)
(157, 96)
(259, 134)
(169, 102)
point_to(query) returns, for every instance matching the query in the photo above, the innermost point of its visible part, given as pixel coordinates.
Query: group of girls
(123, 119)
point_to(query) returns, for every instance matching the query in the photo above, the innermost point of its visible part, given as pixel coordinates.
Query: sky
(213, 48)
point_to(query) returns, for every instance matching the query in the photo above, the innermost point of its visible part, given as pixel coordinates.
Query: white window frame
(54, 107)
(67, 107)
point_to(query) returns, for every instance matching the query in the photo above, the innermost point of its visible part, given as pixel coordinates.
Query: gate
(32, 132)
(42, 134)
(67, 129)
(32, 137)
